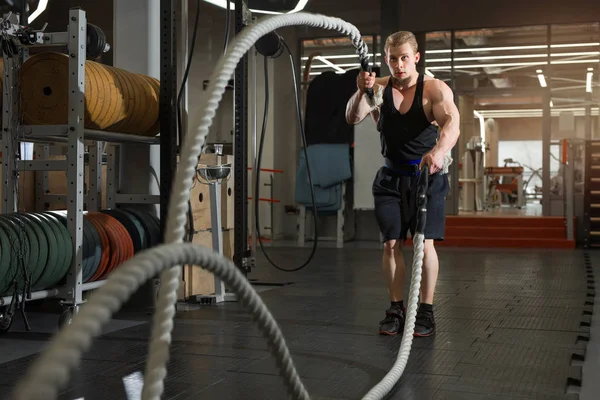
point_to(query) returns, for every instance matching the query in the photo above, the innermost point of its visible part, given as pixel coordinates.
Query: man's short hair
(400, 38)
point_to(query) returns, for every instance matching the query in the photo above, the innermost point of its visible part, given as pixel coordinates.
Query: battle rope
(51, 371)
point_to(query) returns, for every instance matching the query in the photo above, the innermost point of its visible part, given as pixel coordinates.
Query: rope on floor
(51, 371)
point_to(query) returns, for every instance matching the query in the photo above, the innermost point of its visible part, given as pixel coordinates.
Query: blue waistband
(403, 163)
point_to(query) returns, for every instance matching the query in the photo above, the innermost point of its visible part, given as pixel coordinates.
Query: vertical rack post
(77, 51)
(94, 197)
(10, 98)
(167, 113)
(240, 175)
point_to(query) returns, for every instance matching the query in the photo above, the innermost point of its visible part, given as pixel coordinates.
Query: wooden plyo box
(197, 280)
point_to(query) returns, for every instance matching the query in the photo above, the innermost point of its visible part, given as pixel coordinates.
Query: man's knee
(428, 247)
(390, 245)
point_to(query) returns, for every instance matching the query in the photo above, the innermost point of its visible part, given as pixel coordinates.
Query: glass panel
(575, 61)
(438, 55)
(496, 60)
(438, 47)
(335, 54)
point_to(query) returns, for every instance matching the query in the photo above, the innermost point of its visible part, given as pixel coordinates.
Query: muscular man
(418, 124)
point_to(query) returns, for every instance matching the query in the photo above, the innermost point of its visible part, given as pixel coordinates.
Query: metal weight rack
(76, 137)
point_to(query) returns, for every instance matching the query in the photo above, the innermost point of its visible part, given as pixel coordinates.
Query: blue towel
(329, 167)
(329, 163)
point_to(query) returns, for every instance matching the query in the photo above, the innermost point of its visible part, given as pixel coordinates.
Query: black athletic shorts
(396, 204)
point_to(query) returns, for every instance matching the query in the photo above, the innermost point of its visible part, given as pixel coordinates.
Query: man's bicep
(443, 105)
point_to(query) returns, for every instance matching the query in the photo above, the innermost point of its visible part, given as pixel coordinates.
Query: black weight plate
(128, 223)
(155, 224)
(146, 224)
(140, 229)
(53, 252)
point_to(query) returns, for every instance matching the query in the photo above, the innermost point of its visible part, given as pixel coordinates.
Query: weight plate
(105, 247)
(86, 253)
(42, 244)
(139, 228)
(54, 257)
(33, 263)
(155, 224)
(5, 257)
(114, 249)
(147, 223)
(53, 225)
(65, 267)
(62, 247)
(127, 222)
(18, 248)
(96, 248)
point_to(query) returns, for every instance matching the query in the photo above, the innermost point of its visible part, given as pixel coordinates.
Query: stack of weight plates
(37, 247)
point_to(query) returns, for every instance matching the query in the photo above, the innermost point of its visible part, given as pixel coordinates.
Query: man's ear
(417, 57)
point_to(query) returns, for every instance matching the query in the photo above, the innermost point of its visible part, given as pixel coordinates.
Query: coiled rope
(51, 371)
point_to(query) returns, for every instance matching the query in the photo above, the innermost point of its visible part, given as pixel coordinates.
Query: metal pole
(167, 114)
(546, 131)
(456, 151)
(255, 170)
(217, 234)
(240, 256)
(77, 53)
(569, 192)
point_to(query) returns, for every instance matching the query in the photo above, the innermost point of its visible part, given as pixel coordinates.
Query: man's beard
(401, 82)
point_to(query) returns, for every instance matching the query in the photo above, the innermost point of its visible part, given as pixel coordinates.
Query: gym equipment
(51, 371)
(110, 237)
(472, 176)
(214, 175)
(273, 45)
(130, 101)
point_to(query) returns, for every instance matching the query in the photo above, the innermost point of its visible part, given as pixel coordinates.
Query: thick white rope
(52, 370)
(191, 148)
(392, 377)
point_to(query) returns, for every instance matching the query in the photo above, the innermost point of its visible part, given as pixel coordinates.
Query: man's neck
(403, 84)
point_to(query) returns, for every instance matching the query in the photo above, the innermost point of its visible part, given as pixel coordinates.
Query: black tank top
(405, 137)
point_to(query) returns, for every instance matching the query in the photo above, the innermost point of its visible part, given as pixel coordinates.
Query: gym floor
(510, 325)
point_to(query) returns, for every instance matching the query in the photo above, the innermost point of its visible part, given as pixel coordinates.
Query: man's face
(402, 62)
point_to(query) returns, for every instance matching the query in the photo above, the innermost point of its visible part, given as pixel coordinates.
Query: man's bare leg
(425, 324)
(394, 272)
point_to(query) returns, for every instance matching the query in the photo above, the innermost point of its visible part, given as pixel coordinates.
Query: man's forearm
(357, 108)
(448, 135)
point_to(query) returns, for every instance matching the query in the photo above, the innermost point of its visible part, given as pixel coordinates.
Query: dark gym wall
(444, 15)
(98, 12)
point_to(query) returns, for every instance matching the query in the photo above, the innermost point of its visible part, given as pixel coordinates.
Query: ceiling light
(329, 63)
(505, 48)
(223, 4)
(42, 5)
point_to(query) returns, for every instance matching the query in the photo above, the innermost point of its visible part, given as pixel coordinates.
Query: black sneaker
(393, 321)
(424, 323)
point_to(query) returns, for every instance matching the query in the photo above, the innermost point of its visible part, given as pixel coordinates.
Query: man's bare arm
(358, 107)
(446, 115)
